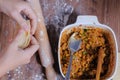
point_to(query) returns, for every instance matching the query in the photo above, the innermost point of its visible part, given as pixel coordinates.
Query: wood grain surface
(57, 14)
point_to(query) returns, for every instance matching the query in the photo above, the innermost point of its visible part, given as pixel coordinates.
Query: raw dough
(25, 38)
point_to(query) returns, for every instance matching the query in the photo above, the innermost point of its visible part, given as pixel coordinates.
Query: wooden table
(59, 13)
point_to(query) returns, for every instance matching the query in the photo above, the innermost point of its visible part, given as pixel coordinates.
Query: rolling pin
(42, 37)
(101, 55)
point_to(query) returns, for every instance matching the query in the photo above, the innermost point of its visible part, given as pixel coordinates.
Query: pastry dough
(25, 38)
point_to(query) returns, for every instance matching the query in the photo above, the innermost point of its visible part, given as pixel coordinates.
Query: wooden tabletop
(57, 14)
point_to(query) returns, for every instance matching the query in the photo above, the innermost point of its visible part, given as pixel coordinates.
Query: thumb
(33, 48)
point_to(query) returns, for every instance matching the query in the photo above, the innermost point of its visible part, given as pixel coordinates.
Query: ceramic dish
(93, 21)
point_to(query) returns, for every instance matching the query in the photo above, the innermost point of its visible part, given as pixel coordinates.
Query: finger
(34, 41)
(33, 48)
(32, 16)
(20, 20)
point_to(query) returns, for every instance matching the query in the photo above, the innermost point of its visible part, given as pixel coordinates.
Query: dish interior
(84, 64)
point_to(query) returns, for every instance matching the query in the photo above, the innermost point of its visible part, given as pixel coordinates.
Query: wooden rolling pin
(101, 56)
(42, 37)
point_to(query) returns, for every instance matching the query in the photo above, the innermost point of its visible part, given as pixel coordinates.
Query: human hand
(14, 9)
(14, 56)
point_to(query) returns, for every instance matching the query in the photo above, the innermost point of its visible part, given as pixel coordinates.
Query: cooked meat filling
(85, 60)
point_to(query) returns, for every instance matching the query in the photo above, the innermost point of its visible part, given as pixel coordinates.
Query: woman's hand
(14, 56)
(14, 9)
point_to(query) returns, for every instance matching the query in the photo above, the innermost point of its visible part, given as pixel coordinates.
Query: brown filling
(84, 65)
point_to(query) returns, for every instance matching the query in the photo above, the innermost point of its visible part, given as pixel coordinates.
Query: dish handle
(87, 19)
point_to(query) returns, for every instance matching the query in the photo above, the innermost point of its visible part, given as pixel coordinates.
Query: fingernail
(26, 28)
(32, 32)
(10, 40)
(21, 31)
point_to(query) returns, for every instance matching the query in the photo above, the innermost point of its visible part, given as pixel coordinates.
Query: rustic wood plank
(56, 18)
(112, 16)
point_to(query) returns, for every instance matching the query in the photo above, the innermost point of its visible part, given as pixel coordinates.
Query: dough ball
(25, 38)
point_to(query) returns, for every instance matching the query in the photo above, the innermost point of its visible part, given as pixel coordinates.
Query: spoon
(74, 45)
(101, 55)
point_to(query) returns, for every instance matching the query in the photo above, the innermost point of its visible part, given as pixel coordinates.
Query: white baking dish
(93, 21)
